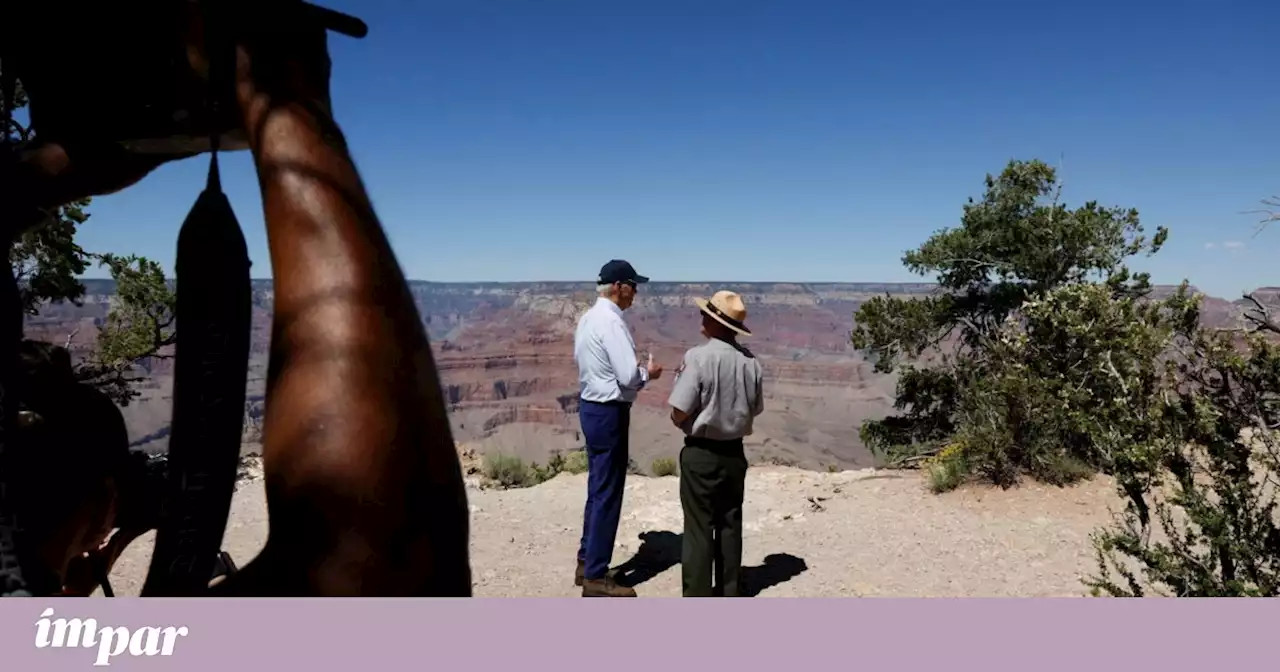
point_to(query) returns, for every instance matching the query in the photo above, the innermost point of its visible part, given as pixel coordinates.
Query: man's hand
(655, 370)
(85, 571)
(82, 576)
(62, 175)
(282, 64)
(281, 61)
(363, 479)
(49, 175)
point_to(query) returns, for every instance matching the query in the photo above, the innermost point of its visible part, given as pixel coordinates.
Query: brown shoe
(605, 587)
(581, 573)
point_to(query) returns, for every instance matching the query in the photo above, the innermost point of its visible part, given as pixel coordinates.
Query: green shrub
(664, 466)
(1200, 520)
(509, 471)
(541, 474)
(948, 469)
(576, 462)
(555, 464)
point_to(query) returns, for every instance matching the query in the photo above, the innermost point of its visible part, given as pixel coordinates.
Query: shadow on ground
(777, 568)
(660, 551)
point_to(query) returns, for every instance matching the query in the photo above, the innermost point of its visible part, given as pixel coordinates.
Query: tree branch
(1111, 368)
(1268, 213)
(1260, 316)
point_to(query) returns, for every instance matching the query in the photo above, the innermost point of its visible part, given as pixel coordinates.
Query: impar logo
(111, 641)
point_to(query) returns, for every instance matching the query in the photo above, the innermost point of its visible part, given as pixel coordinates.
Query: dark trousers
(605, 428)
(713, 478)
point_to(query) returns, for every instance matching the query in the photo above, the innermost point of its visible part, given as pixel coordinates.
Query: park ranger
(717, 395)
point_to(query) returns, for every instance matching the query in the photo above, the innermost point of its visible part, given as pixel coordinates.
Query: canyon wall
(505, 356)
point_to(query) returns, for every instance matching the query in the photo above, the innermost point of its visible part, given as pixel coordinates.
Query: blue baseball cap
(618, 270)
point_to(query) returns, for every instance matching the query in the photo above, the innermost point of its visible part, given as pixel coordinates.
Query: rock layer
(505, 356)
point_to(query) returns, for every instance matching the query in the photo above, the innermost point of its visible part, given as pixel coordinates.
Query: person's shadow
(777, 568)
(660, 551)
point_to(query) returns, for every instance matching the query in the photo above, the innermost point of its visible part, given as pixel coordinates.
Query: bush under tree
(1200, 513)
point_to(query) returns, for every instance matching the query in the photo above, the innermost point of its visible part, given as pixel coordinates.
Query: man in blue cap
(609, 377)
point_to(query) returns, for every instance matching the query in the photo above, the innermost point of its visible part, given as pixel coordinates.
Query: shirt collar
(610, 305)
(717, 343)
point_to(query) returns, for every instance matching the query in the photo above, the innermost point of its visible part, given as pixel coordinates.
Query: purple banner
(356, 635)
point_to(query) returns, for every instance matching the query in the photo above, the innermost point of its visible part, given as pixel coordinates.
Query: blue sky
(790, 140)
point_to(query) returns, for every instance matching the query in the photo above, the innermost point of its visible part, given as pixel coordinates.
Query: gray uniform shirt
(720, 387)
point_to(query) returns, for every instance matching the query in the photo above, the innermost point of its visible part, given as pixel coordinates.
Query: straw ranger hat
(726, 308)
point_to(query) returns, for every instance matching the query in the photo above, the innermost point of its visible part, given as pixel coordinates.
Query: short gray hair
(604, 290)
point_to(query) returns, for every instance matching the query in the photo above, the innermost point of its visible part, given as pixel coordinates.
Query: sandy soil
(856, 533)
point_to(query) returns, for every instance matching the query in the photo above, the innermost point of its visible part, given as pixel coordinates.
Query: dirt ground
(808, 534)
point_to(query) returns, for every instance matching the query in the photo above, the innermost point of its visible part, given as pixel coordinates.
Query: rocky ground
(808, 534)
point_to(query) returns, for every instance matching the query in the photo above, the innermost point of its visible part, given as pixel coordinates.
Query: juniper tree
(960, 392)
(48, 262)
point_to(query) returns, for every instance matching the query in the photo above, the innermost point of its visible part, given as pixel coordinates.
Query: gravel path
(857, 533)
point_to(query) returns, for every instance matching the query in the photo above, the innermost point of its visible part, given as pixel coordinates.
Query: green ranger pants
(712, 483)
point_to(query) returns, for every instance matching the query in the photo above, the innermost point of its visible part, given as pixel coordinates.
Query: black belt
(713, 444)
(616, 402)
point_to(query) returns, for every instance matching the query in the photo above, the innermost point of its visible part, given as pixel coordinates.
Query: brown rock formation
(505, 356)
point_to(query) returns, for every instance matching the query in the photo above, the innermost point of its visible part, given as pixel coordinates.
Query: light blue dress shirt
(606, 356)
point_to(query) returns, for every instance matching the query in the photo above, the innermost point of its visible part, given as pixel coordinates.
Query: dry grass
(664, 466)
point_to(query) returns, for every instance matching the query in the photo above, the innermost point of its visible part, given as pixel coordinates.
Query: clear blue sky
(794, 140)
